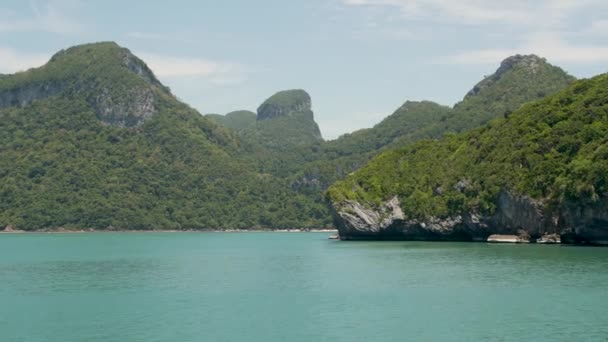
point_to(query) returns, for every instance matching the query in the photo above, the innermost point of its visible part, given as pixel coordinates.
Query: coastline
(81, 231)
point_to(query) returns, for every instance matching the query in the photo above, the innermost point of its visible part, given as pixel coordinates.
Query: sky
(359, 59)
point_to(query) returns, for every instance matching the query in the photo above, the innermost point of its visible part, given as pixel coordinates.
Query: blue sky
(359, 59)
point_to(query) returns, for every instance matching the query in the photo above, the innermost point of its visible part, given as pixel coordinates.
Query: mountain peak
(105, 54)
(284, 103)
(529, 62)
(118, 86)
(238, 120)
(530, 69)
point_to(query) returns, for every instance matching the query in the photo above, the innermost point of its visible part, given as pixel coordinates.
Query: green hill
(93, 140)
(518, 80)
(283, 122)
(541, 170)
(311, 168)
(240, 120)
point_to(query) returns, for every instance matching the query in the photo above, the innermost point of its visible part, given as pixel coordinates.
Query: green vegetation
(554, 150)
(311, 168)
(63, 167)
(284, 123)
(284, 103)
(101, 63)
(117, 85)
(239, 120)
(93, 139)
(337, 158)
(520, 79)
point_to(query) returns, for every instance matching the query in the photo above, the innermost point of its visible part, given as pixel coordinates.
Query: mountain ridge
(111, 146)
(540, 171)
(89, 70)
(64, 165)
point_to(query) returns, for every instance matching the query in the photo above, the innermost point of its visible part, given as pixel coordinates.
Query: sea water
(295, 287)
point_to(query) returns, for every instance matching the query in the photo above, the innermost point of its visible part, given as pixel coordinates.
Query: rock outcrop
(286, 120)
(585, 223)
(120, 112)
(83, 71)
(25, 95)
(387, 222)
(520, 217)
(498, 238)
(549, 239)
(284, 103)
(531, 63)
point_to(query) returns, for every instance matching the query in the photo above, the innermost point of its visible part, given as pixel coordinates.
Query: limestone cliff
(515, 215)
(119, 87)
(540, 171)
(286, 121)
(285, 103)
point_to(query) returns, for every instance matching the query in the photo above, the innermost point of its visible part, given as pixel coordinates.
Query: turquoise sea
(295, 287)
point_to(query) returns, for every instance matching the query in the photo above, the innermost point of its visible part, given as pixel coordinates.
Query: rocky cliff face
(515, 215)
(387, 222)
(286, 120)
(91, 71)
(285, 103)
(585, 223)
(130, 111)
(24, 95)
(530, 64)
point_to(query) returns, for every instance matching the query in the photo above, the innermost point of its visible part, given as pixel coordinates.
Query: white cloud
(163, 66)
(15, 61)
(164, 37)
(476, 12)
(215, 72)
(543, 27)
(548, 45)
(333, 127)
(51, 16)
(597, 28)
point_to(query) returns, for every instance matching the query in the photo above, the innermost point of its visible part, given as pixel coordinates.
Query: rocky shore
(517, 219)
(12, 230)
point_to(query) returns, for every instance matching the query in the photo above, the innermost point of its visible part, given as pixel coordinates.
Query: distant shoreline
(78, 231)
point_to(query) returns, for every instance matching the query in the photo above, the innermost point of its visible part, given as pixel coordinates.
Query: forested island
(93, 140)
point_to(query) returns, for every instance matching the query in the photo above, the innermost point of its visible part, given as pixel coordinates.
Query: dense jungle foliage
(555, 150)
(64, 164)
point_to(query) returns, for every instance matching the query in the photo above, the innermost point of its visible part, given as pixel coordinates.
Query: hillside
(518, 80)
(93, 140)
(542, 170)
(283, 122)
(240, 120)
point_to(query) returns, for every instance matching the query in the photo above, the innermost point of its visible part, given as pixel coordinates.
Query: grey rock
(585, 223)
(519, 213)
(356, 221)
(531, 63)
(498, 238)
(300, 101)
(549, 239)
(462, 185)
(516, 215)
(25, 95)
(140, 68)
(129, 109)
